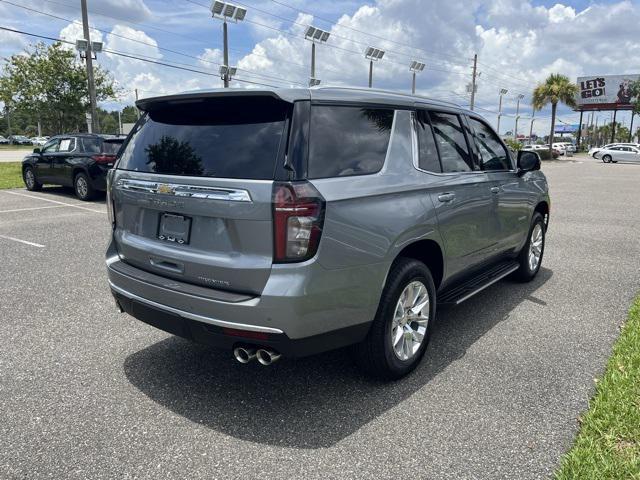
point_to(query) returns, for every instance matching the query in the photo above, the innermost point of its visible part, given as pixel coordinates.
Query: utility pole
(473, 81)
(370, 73)
(119, 122)
(89, 63)
(225, 53)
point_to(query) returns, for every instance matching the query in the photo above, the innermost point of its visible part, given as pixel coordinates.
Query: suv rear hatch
(192, 192)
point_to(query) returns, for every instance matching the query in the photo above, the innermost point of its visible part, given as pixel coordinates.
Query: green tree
(556, 89)
(49, 84)
(129, 114)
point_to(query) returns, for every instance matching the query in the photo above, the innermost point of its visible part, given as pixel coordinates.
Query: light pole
(515, 128)
(315, 35)
(503, 91)
(415, 67)
(372, 54)
(533, 119)
(226, 11)
(88, 50)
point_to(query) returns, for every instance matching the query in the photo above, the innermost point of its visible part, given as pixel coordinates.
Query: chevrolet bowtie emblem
(164, 188)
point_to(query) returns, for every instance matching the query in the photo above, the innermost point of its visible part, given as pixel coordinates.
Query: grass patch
(17, 147)
(11, 175)
(608, 444)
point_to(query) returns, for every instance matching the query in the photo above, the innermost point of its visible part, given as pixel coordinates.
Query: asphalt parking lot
(86, 392)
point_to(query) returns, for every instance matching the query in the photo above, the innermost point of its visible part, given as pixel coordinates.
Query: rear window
(111, 147)
(223, 137)
(348, 140)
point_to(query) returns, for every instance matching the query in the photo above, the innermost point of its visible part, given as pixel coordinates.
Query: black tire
(606, 158)
(525, 273)
(30, 180)
(375, 355)
(82, 187)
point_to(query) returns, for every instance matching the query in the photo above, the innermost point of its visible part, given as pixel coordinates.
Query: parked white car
(617, 153)
(39, 141)
(594, 150)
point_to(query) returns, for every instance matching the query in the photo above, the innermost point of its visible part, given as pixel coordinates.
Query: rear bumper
(228, 338)
(299, 313)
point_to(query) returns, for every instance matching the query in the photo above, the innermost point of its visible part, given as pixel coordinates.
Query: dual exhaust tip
(265, 356)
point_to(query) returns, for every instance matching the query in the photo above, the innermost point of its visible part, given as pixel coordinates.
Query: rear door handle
(495, 189)
(446, 197)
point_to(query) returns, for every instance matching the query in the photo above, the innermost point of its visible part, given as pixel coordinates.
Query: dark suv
(290, 222)
(80, 161)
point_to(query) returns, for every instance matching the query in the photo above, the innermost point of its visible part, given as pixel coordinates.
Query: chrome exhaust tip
(244, 354)
(266, 356)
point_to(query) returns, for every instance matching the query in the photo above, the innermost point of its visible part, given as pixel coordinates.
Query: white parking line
(32, 208)
(22, 241)
(54, 201)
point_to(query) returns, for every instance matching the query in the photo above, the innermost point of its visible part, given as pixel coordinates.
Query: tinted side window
(454, 153)
(427, 150)
(51, 146)
(348, 140)
(91, 145)
(493, 155)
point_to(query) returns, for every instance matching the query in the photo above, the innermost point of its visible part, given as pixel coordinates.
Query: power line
(175, 52)
(136, 57)
(195, 39)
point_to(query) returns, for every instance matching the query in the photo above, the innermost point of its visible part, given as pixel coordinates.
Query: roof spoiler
(287, 95)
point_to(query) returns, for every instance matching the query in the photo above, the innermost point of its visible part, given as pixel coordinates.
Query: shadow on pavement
(311, 402)
(63, 194)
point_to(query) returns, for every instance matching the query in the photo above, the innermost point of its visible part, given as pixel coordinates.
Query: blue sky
(518, 44)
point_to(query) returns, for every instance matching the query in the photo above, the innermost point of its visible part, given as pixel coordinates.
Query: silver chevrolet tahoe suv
(288, 222)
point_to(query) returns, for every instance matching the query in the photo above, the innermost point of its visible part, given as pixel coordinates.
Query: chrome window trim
(183, 190)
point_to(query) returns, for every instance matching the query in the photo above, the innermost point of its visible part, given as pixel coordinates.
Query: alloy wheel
(82, 187)
(29, 179)
(535, 247)
(410, 320)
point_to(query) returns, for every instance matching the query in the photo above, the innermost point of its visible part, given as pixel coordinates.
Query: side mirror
(528, 161)
(36, 150)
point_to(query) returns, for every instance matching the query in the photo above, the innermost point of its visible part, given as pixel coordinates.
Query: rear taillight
(298, 215)
(103, 158)
(110, 207)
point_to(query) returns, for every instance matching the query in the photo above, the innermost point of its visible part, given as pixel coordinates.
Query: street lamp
(227, 12)
(415, 67)
(227, 72)
(372, 54)
(315, 35)
(515, 129)
(503, 91)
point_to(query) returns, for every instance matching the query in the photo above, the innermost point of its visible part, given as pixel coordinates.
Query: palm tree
(556, 88)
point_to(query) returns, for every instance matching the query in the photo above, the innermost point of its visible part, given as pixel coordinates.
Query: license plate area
(174, 228)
